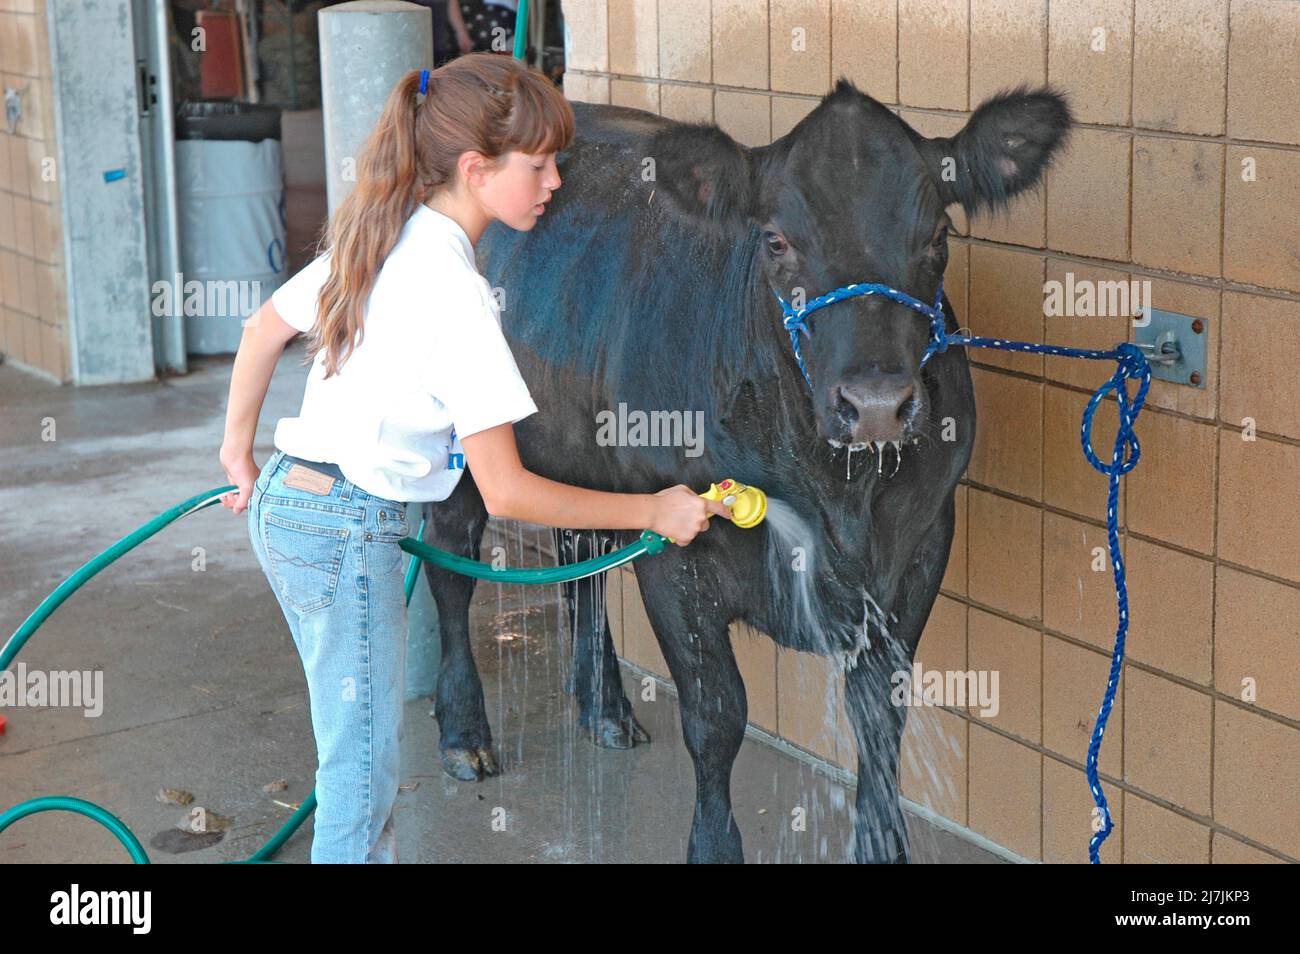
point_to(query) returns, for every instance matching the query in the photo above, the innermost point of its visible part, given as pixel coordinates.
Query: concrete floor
(204, 691)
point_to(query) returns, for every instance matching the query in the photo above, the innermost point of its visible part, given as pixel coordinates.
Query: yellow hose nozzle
(748, 504)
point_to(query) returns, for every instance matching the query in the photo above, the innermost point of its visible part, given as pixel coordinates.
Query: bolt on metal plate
(1174, 345)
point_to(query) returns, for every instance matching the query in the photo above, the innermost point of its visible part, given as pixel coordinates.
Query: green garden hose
(748, 501)
(66, 803)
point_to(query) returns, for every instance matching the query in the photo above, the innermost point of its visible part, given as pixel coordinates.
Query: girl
(410, 369)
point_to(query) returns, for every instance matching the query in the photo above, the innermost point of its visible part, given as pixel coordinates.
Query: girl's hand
(464, 41)
(242, 471)
(681, 513)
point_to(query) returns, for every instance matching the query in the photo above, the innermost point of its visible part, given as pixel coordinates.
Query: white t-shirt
(433, 366)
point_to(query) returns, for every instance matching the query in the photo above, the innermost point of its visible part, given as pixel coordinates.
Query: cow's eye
(940, 237)
(775, 243)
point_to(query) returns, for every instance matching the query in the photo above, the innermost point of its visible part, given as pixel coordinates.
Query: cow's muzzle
(875, 407)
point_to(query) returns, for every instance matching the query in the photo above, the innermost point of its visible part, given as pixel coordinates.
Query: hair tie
(424, 81)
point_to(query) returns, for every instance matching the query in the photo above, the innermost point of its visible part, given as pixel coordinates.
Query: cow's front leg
(604, 710)
(879, 829)
(711, 695)
(465, 738)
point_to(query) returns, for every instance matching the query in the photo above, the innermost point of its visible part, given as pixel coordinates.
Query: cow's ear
(1003, 149)
(704, 172)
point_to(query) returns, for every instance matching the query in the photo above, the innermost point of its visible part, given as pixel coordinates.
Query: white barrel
(230, 211)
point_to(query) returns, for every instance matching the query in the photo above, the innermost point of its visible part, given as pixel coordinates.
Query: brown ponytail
(485, 102)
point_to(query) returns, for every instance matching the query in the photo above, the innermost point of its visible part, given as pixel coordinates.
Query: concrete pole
(365, 47)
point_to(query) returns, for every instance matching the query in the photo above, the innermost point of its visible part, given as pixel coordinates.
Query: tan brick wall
(1172, 100)
(33, 291)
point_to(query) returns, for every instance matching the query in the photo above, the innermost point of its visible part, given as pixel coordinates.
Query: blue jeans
(330, 554)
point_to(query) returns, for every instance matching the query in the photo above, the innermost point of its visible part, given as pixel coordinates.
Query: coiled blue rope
(1131, 364)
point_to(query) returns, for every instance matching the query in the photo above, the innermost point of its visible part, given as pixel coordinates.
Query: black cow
(650, 282)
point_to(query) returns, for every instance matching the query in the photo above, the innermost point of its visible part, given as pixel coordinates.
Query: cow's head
(854, 194)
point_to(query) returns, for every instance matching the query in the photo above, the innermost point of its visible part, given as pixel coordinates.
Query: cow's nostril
(908, 404)
(846, 410)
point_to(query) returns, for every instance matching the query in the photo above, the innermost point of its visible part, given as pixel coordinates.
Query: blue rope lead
(1131, 364)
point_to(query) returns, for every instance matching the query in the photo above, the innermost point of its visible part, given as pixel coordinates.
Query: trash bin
(230, 210)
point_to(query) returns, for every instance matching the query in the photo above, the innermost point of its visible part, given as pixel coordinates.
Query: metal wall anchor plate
(1174, 345)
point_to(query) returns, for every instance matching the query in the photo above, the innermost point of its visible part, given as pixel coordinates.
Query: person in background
(491, 24)
(464, 42)
(450, 38)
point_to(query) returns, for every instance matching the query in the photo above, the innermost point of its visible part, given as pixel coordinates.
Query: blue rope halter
(793, 322)
(1131, 364)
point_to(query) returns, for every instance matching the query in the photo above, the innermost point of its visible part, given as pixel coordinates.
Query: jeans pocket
(384, 556)
(305, 558)
(390, 524)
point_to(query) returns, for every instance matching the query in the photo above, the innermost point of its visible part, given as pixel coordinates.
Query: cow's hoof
(614, 733)
(869, 852)
(469, 765)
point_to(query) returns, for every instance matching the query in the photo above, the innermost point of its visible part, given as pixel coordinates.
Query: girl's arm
(263, 341)
(513, 492)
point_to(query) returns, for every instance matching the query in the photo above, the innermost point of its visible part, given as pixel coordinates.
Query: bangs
(543, 119)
